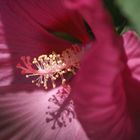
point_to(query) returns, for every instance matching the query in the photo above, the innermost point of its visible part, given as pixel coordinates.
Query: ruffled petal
(132, 75)
(132, 49)
(23, 116)
(98, 89)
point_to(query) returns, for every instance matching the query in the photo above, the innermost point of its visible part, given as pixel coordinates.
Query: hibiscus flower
(108, 74)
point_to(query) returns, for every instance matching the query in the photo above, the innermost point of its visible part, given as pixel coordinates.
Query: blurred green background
(126, 14)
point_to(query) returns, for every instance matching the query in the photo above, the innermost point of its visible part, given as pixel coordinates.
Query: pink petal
(99, 96)
(23, 116)
(132, 75)
(61, 19)
(24, 35)
(98, 88)
(26, 24)
(5, 65)
(132, 49)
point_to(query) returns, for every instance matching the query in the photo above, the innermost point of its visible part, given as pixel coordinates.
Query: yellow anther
(53, 66)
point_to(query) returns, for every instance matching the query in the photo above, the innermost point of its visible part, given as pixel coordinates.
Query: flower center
(49, 68)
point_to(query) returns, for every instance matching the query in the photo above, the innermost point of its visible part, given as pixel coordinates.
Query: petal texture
(23, 117)
(100, 98)
(98, 89)
(5, 65)
(132, 76)
(132, 49)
